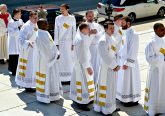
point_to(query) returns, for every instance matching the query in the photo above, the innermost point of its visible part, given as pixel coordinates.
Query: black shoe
(2, 61)
(13, 74)
(117, 109)
(82, 106)
(158, 114)
(107, 114)
(66, 83)
(85, 108)
(130, 104)
(30, 89)
(91, 102)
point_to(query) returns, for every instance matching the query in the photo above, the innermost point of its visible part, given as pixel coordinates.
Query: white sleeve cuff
(130, 63)
(26, 44)
(113, 64)
(86, 65)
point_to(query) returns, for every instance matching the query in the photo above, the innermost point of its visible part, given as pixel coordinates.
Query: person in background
(155, 55)
(42, 13)
(25, 75)
(4, 20)
(96, 31)
(14, 27)
(64, 33)
(118, 34)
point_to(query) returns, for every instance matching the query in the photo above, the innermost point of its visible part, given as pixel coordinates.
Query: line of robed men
(104, 58)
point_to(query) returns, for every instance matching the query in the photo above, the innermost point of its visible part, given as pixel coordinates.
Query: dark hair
(157, 25)
(15, 11)
(89, 11)
(65, 6)
(83, 25)
(127, 19)
(33, 13)
(40, 23)
(117, 17)
(105, 25)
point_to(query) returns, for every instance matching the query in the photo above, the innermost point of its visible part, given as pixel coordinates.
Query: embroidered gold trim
(40, 82)
(78, 83)
(22, 67)
(102, 95)
(41, 75)
(162, 50)
(146, 90)
(91, 90)
(40, 89)
(23, 60)
(22, 74)
(145, 99)
(101, 104)
(79, 98)
(145, 108)
(79, 90)
(103, 87)
(90, 83)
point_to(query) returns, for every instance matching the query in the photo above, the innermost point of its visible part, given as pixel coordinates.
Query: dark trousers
(13, 62)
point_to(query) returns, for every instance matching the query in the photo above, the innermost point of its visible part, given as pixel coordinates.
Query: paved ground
(17, 102)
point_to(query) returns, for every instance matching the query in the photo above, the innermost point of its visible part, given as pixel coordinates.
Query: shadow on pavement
(132, 111)
(4, 71)
(52, 109)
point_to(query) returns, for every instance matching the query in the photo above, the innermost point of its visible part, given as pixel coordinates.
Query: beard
(125, 27)
(90, 20)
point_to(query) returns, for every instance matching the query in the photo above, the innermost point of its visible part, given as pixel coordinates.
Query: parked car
(53, 12)
(135, 9)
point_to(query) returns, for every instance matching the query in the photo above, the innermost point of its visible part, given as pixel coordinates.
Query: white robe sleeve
(56, 32)
(24, 37)
(151, 56)
(106, 57)
(13, 29)
(100, 31)
(132, 51)
(84, 54)
(73, 30)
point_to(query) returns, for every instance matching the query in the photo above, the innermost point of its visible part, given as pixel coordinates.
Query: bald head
(90, 16)
(42, 24)
(3, 8)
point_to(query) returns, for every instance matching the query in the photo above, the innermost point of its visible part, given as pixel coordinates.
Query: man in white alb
(65, 30)
(25, 76)
(154, 100)
(48, 84)
(128, 85)
(97, 31)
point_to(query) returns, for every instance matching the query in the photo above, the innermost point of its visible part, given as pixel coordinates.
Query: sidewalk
(17, 102)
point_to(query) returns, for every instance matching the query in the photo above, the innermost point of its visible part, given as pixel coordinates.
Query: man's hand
(117, 68)
(125, 67)
(57, 47)
(72, 47)
(90, 71)
(58, 57)
(31, 44)
(93, 31)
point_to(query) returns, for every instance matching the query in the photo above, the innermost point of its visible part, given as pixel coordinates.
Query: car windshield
(122, 2)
